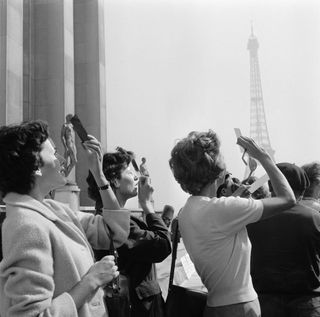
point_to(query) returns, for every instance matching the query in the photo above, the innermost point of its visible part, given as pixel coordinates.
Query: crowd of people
(258, 254)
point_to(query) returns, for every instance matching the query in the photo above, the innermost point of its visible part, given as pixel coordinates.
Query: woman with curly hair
(149, 240)
(48, 266)
(214, 229)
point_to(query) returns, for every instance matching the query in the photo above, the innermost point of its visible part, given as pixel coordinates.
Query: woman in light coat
(48, 267)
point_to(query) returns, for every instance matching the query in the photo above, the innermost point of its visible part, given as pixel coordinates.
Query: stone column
(49, 71)
(52, 63)
(11, 70)
(90, 86)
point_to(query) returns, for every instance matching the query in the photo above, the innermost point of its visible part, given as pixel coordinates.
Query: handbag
(181, 301)
(116, 294)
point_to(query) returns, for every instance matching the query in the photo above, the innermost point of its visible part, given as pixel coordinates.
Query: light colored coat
(46, 251)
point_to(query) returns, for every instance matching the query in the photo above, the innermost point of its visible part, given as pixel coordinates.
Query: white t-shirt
(215, 236)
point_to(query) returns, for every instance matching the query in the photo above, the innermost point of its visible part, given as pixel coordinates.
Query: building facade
(52, 62)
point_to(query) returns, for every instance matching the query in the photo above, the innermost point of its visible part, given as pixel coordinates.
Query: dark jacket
(148, 243)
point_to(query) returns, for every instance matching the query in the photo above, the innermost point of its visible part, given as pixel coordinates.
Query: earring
(115, 183)
(38, 172)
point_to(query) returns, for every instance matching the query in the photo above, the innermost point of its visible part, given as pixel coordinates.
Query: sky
(177, 66)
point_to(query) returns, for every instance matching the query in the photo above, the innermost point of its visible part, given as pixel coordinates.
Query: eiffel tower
(258, 123)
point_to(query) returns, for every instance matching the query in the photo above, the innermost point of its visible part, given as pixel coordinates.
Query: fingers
(91, 137)
(109, 266)
(92, 142)
(144, 180)
(108, 257)
(244, 141)
(248, 144)
(145, 185)
(114, 271)
(93, 146)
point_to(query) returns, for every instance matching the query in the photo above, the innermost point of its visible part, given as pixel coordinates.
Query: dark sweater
(285, 256)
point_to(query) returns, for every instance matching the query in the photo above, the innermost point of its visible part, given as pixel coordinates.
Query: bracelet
(104, 187)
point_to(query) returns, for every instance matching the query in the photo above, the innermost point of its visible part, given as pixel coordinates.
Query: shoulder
(304, 211)
(136, 223)
(223, 204)
(305, 214)
(23, 232)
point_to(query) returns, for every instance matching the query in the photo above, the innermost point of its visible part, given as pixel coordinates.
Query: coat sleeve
(26, 275)
(152, 244)
(96, 227)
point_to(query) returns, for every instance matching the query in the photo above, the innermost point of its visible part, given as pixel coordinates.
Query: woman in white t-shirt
(214, 229)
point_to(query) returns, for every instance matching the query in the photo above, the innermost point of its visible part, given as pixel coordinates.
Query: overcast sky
(180, 65)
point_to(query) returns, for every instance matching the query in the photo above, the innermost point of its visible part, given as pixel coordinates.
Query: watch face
(104, 187)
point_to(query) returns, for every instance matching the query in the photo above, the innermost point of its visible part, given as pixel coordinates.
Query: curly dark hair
(20, 147)
(112, 165)
(196, 161)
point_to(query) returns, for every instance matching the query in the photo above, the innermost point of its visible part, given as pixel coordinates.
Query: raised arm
(94, 154)
(118, 220)
(285, 198)
(153, 242)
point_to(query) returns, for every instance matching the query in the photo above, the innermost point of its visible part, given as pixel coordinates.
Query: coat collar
(25, 201)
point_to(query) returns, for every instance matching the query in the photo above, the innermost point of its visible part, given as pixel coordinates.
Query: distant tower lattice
(258, 123)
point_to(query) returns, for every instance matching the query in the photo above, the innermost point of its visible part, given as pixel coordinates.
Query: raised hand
(145, 191)
(252, 148)
(93, 151)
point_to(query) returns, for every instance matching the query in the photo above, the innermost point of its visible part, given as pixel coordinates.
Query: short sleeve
(232, 214)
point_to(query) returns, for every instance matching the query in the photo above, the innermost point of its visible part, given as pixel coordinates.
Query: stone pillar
(52, 88)
(90, 86)
(11, 70)
(49, 70)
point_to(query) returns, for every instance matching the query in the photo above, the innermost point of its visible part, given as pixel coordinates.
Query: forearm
(278, 181)
(284, 196)
(83, 291)
(147, 207)
(109, 199)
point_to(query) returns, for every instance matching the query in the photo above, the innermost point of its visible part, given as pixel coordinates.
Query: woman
(48, 267)
(214, 229)
(148, 242)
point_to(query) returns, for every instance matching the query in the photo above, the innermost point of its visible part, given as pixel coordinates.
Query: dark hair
(196, 161)
(112, 165)
(168, 209)
(235, 184)
(20, 146)
(313, 172)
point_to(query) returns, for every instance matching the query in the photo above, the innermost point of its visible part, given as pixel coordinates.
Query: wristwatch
(104, 187)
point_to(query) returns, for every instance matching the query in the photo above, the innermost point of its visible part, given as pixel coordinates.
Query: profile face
(51, 170)
(128, 183)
